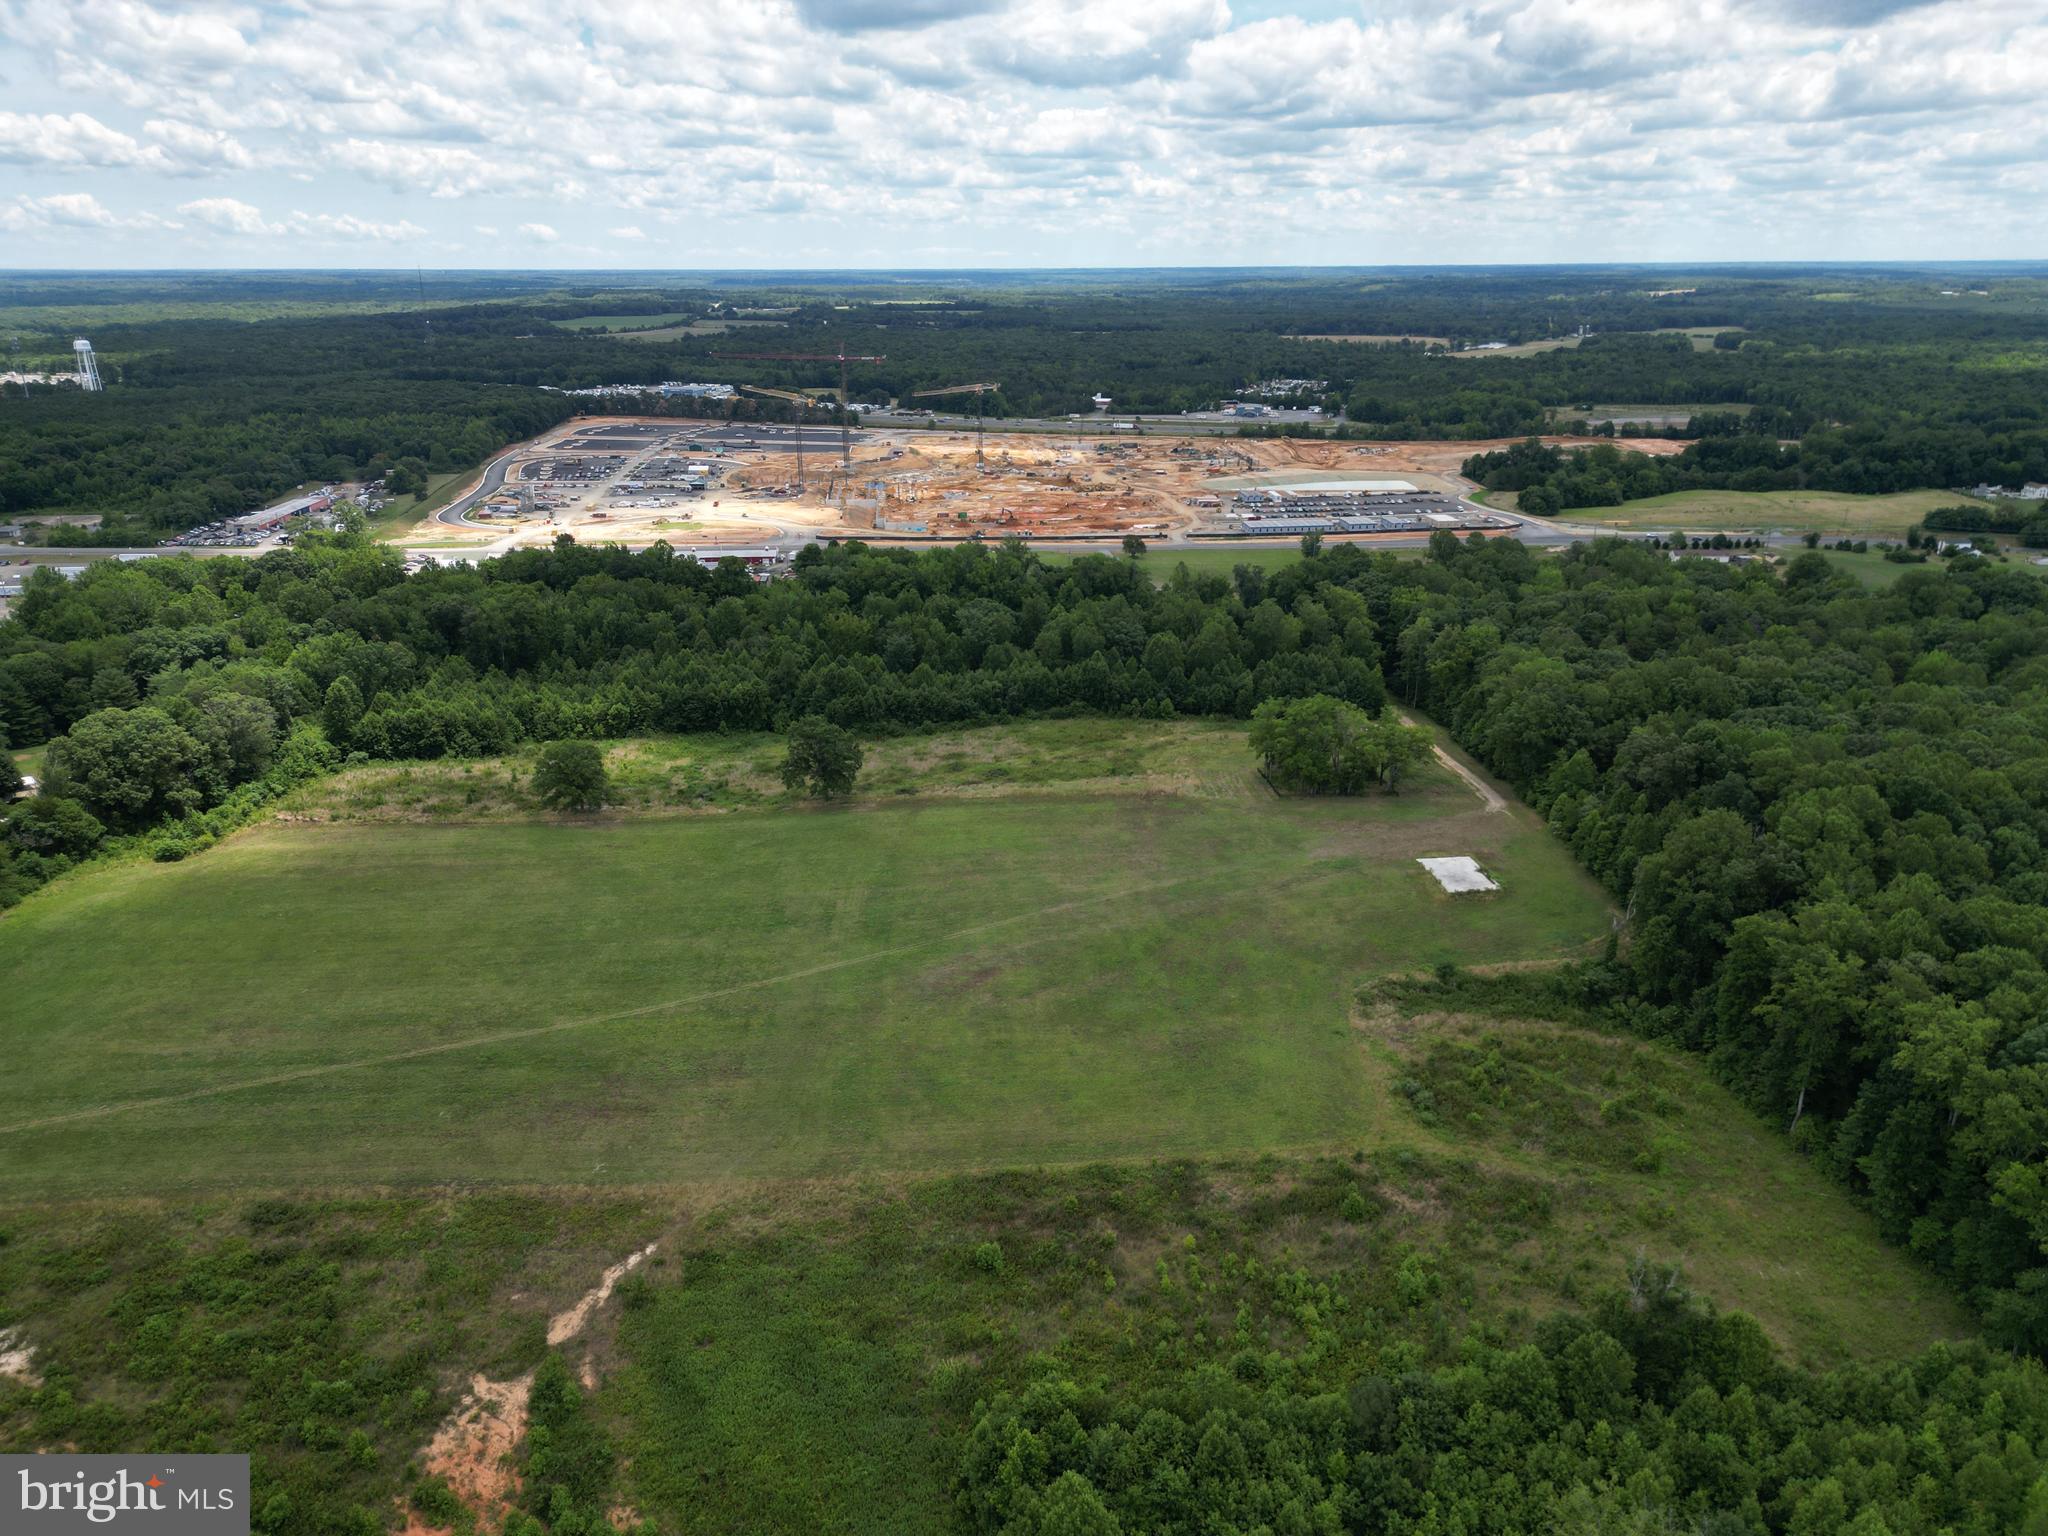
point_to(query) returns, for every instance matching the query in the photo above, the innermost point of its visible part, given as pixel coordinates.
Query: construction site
(706, 485)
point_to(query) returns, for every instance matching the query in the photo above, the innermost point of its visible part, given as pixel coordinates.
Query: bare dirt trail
(1493, 798)
(472, 1450)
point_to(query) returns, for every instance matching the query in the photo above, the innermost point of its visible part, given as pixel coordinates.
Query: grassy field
(402, 514)
(1642, 415)
(1836, 513)
(1702, 336)
(1065, 1041)
(1381, 340)
(1873, 570)
(623, 322)
(1523, 349)
(917, 981)
(1159, 563)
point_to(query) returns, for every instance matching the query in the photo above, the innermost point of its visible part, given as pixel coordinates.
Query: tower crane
(803, 404)
(980, 393)
(844, 360)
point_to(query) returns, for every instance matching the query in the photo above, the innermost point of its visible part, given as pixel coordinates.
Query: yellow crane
(980, 393)
(803, 405)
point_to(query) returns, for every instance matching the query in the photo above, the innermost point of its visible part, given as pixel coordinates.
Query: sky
(1017, 133)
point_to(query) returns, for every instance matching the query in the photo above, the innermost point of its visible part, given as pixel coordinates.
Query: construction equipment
(803, 404)
(980, 393)
(843, 359)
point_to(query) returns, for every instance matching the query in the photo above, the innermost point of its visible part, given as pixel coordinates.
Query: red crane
(844, 360)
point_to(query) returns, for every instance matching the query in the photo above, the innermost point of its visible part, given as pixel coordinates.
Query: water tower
(88, 368)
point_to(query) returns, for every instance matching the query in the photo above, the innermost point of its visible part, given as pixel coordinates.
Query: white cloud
(71, 139)
(346, 226)
(73, 210)
(232, 216)
(195, 148)
(228, 214)
(1048, 130)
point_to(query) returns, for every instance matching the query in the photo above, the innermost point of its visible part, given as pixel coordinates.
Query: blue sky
(835, 133)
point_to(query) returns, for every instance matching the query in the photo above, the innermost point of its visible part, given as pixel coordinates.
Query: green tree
(1325, 746)
(1072, 1507)
(1133, 545)
(341, 710)
(129, 767)
(51, 824)
(823, 760)
(570, 776)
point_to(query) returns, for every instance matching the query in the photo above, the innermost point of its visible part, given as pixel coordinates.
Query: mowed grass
(910, 982)
(1204, 560)
(1826, 512)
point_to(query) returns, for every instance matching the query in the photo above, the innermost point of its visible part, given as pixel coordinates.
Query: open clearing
(1394, 339)
(1521, 349)
(1825, 512)
(622, 322)
(911, 982)
(1644, 415)
(736, 1104)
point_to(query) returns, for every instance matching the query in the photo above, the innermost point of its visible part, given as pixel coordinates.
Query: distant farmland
(1644, 415)
(1382, 341)
(1826, 512)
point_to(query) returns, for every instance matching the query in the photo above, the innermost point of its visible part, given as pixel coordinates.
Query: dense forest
(1652, 1416)
(1858, 379)
(1824, 808)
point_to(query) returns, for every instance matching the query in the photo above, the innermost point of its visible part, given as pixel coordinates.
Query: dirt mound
(17, 1357)
(472, 1450)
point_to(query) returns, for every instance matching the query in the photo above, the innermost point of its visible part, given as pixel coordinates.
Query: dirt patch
(1485, 791)
(473, 1449)
(17, 1358)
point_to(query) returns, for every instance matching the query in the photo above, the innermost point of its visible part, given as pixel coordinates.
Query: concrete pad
(1459, 875)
